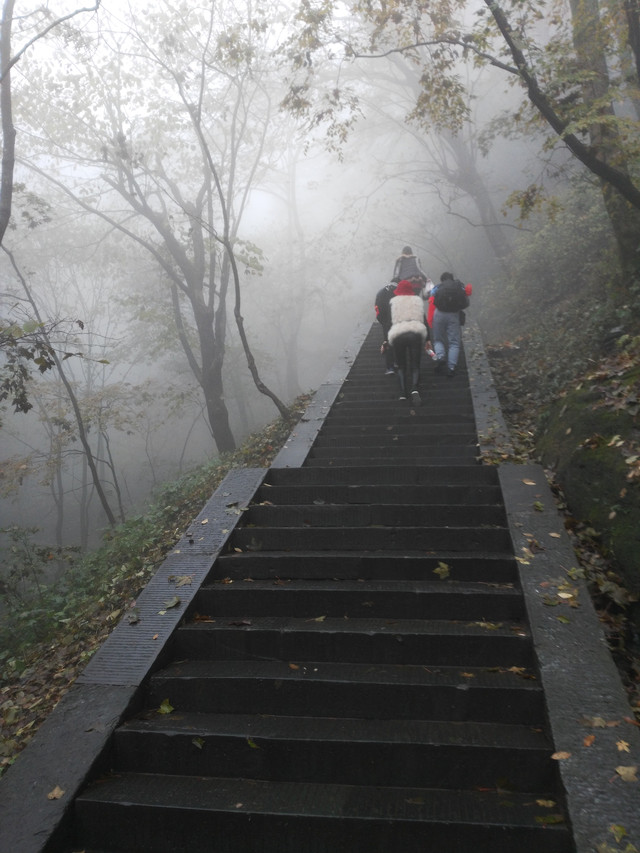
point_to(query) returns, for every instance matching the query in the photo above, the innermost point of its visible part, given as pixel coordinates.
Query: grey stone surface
(494, 438)
(56, 764)
(584, 692)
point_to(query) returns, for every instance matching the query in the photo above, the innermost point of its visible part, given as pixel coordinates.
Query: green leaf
(166, 707)
(618, 832)
(442, 571)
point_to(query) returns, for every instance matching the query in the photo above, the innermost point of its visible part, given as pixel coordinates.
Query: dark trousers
(408, 351)
(389, 358)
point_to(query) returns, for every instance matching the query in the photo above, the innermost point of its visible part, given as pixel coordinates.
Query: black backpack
(450, 296)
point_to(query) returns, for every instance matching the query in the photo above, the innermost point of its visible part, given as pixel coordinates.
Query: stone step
(429, 540)
(400, 415)
(375, 458)
(466, 451)
(400, 474)
(305, 687)
(398, 437)
(392, 431)
(362, 515)
(449, 403)
(430, 494)
(152, 814)
(409, 753)
(493, 570)
(380, 640)
(433, 599)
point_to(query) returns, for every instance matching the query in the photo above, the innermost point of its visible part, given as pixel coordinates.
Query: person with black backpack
(383, 316)
(447, 302)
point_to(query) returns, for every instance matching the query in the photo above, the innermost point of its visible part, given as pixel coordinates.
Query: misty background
(154, 153)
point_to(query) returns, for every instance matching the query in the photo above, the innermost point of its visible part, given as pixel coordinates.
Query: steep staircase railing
(366, 655)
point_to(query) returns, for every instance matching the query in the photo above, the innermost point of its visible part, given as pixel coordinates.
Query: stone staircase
(357, 672)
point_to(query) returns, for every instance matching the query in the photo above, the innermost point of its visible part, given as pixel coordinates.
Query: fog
(147, 145)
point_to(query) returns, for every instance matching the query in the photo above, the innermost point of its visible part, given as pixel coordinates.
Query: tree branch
(586, 154)
(46, 31)
(466, 45)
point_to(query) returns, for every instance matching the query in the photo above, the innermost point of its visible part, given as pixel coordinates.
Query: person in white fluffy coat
(407, 335)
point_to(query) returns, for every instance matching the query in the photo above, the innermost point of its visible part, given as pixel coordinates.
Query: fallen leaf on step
(56, 794)
(629, 773)
(442, 571)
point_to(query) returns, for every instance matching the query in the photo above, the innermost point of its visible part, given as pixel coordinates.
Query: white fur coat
(407, 315)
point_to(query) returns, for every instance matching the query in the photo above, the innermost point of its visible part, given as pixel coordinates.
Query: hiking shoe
(415, 398)
(441, 364)
(402, 398)
(451, 372)
(389, 371)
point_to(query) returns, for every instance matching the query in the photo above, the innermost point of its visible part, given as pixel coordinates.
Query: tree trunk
(210, 377)
(632, 12)
(469, 180)
(589, 45)
(85, 501)
(8, 130)
(217, 412)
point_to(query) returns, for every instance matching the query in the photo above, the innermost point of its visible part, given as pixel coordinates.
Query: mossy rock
(578, 440)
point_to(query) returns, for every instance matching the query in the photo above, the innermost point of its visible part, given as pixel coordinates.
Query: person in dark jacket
(446, 331)
(407, 268)
(383, 316)
(407, 335)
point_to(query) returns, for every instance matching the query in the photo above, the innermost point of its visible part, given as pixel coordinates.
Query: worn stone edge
(580, 679)
(73, 739)
(494, 438)
(298, 444)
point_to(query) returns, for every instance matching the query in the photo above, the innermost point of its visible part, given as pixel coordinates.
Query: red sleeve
(430, 312)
